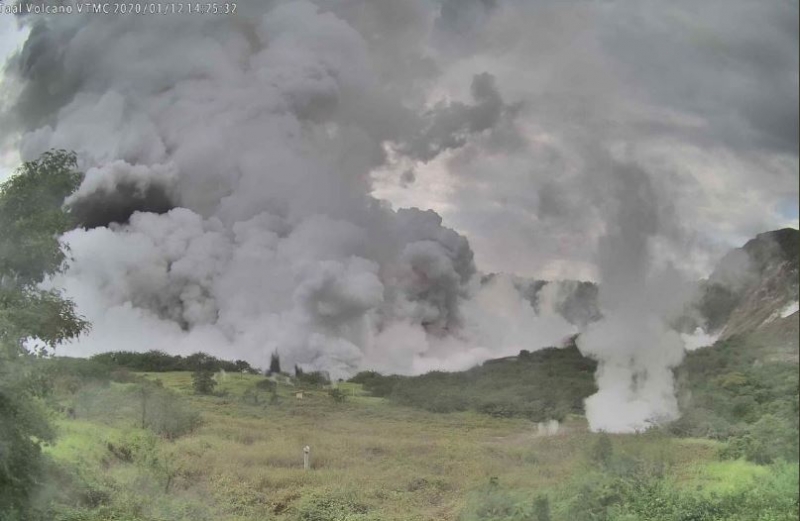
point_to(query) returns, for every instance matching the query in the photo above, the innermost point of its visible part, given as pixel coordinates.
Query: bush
(167, 414)
(313, 379)
(332, 507)
(266, 385)
(494, 503)
(766, 441)
(336, 395)
(145, 405)
(602, 451)
(203, 381)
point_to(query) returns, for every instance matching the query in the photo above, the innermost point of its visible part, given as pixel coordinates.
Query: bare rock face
(754, 291)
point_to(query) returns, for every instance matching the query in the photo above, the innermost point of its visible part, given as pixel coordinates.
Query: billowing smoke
(238, 169)
(113, 193)
(226, 205)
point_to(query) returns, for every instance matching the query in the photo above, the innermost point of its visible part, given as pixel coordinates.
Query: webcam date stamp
(122, 8)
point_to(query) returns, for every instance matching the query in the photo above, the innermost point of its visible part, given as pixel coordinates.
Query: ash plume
(328, 179)
(226, 206)
(113, 193)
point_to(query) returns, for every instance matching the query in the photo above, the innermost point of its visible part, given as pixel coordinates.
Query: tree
(32, 217)
(274, 363)
(203, 377)
(242, 366)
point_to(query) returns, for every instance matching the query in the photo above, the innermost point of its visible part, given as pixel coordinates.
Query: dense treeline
(160, 362)
(546, 384)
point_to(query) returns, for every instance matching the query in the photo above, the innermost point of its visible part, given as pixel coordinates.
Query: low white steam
(635, 349)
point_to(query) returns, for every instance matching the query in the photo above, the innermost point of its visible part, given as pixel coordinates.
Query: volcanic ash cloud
(227, 207)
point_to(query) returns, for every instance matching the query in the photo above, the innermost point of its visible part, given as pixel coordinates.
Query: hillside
(504, 441)
(543, 385)
(754, 287)
(143, 447)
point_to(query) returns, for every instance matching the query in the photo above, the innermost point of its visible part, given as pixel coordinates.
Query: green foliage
(31, 218)
(496, 503)
(32, 313)
(541, 508)
(767, 440)
(266, 385)
(628, 489)
(203, 381)
(375, 383)
(203, 376)
(546, 384)
(332, 507)
(160, 362)
(143, 405)
(602, 450)
(731, 394)
(23, 428)
(313, 379)
(336, 395)
(164, 412)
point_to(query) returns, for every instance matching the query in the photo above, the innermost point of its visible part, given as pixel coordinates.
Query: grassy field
(370, 460)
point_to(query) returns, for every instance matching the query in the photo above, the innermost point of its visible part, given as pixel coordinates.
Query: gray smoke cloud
(227, 207)
(113, 193)
(239, 168)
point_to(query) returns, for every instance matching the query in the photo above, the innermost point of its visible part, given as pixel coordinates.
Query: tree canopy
(32, 217)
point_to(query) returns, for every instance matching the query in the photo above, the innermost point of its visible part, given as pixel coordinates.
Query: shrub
(602, 450)
(769, 439)
(169, 416)
(332, 507)
(314, 378)
(203, 381)
(336, 395)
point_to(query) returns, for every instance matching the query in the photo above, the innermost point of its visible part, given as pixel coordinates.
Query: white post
(306, 457)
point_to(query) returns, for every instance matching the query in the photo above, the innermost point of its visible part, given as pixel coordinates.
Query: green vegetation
(732, 392)
(203, 377)
(543, 385)
(154, 437)
(159, 362)
(31, 218)
(233, 458)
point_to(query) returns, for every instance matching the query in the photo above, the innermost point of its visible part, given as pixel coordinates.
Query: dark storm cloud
(735, 64)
